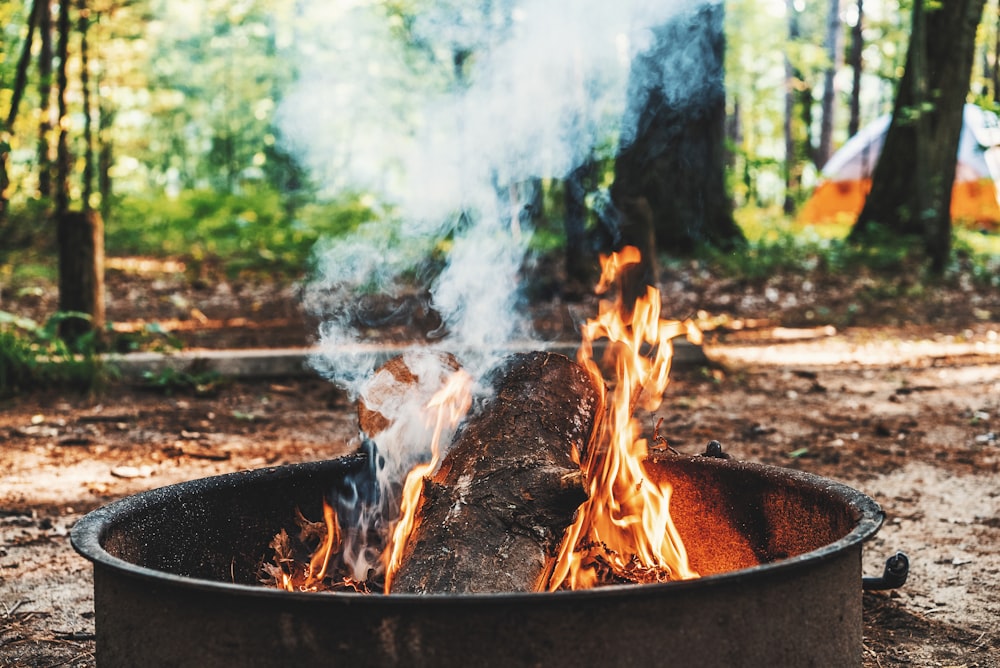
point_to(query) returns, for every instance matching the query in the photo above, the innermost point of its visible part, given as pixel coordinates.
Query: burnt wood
(511, 483)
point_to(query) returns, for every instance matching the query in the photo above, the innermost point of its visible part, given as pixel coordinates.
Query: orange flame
(445, 409)
(331, 543)
(625, 526)
(287, 574)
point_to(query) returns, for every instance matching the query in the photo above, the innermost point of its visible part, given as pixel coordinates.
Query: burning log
(401, 386)
(496, 510)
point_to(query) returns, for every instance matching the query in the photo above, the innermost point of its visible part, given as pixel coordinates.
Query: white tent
(846, 177)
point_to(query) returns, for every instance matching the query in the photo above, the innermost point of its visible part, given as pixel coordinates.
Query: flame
(445, 409)
(287, 573)
(624, 531)
(331, 543)
(625, 526)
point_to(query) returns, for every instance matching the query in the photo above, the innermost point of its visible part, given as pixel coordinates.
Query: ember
(623, 531)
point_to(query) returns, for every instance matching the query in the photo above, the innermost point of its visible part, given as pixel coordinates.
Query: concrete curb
(290, 362)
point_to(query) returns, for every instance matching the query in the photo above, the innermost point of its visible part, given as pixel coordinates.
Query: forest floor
(895, 394)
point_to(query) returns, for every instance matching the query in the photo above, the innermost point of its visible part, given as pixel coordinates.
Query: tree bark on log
(496, 509)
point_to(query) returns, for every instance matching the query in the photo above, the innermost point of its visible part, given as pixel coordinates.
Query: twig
(7, 612)
(873, 654)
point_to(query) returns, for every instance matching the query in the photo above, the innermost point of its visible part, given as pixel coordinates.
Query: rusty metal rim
(88, 533)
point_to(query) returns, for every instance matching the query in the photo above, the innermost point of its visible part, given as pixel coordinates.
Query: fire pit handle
(897, 567)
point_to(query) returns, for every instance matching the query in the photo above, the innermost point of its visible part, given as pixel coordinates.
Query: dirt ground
(903, 404)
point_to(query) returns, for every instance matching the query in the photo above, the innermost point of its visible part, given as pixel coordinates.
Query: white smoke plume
(453, 132)
(488, 97)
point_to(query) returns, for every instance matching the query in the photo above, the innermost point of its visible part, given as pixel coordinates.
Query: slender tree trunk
(21, 75)
(857, 67)
(912, 182)
(105, 146)
(62, 91)
(20, 83)
(996, 55)
(792, 80)
(82, 26)
(45, 57)
(105, 158)
(834, 52)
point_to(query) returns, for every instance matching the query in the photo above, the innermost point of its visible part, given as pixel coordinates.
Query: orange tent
(846, 177)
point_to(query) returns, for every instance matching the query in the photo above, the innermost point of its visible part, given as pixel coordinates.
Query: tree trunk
(63, 158)
(912, 182)
(44, 148)
(496, 510)
(669, 182)
(20, 83)
(106, 158)
(834, 51)
(857, 67)
(579, 257)
(80, 235)
(996, 56)
(82, 26)
(81, 271)
(793, 79)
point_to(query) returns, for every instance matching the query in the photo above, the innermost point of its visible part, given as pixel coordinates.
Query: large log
(496, 509)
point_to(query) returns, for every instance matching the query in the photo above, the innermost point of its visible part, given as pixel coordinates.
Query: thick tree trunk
(912, 182)
(81, 270)
(672, 162)
(80, 234)
(495, 511)
(579, 257)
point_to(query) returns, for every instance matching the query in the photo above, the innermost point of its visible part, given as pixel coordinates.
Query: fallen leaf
(126, 471)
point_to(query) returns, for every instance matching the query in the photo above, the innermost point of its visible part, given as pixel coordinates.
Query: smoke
(451, 117)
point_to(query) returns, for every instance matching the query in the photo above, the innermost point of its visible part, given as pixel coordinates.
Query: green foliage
(169, 381)
(258, 230)
(152, 337)
(26, 226)
(776, 245)
(978, 255)
(32, 356)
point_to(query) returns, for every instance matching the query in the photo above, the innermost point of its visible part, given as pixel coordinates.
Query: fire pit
(175, 582)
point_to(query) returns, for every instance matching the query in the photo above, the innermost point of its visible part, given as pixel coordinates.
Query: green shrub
(258, 230)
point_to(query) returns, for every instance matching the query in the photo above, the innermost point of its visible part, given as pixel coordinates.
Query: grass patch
(778, 245)
(33, 356)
